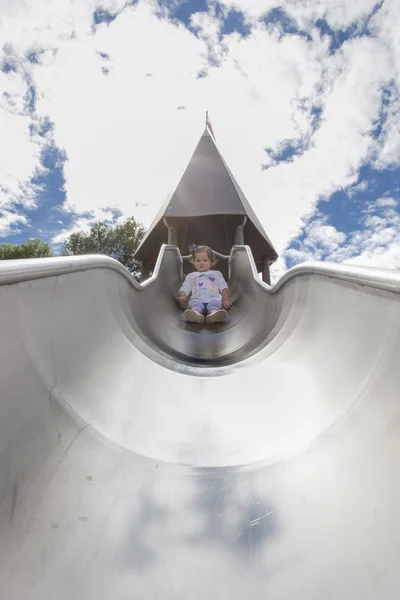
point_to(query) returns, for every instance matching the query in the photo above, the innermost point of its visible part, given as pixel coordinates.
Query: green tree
(119, 241)
(32, 248)
(96, 241)
(125, 241)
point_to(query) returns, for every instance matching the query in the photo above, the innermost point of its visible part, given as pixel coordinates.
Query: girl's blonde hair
(196, 249)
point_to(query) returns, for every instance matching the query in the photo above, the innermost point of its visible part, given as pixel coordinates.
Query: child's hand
(182, 299)
(226, 304)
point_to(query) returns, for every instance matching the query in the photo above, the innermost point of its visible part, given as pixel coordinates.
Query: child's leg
(196, 305)
(194, 314)
(214, 304)
(216, 314)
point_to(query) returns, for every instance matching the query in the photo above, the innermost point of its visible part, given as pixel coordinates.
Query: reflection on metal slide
(144, 458)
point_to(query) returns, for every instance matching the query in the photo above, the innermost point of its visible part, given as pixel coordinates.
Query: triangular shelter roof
(207, 188)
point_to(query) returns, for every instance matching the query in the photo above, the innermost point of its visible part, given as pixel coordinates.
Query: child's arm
(223, 286)
(185, 290)
(226, 298)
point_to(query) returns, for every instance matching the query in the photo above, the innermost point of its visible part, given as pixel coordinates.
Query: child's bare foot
(216, 316)
(193, 316)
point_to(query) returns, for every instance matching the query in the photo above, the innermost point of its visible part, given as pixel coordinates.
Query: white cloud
(278, 269)
(339, 14)
(383, 257)
(207, 25)
(320, 242)
(123, 135)
(388, 151)
(19, 153)
(339, 146)
(378, 244)
(83, 224)
(375, 243)
(387, 202)
(325, 236)
(26, 25)
(252, 10)
(360, 187)
(9, 222)
(299, 256)
(386, 25)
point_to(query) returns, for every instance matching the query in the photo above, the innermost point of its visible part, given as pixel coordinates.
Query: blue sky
(304, 100)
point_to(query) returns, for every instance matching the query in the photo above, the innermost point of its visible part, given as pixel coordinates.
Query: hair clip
(192, 247)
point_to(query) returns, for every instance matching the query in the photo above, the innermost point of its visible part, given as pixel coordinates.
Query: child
(208, 289)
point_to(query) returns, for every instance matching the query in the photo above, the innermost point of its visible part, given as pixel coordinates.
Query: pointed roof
(207, 188)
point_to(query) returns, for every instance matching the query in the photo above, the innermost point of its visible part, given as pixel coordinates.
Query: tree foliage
(32, 248)
(119, 241)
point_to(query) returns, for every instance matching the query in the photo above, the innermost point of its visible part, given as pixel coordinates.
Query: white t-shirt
(204, 286)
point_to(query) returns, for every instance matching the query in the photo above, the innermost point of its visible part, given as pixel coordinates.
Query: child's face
(202, 262)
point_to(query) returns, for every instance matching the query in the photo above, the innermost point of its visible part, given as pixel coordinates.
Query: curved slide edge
(14, 271)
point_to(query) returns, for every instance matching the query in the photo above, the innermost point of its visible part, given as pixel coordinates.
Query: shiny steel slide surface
(145, 458)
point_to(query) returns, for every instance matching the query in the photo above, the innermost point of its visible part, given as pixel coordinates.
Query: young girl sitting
(208, 289)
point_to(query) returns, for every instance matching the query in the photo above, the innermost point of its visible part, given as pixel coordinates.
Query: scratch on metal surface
(54, 420)
(258, 519)
(14, 499)
(74, 439)
(104, 523)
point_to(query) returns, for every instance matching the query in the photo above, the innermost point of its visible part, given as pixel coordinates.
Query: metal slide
(142, 458)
